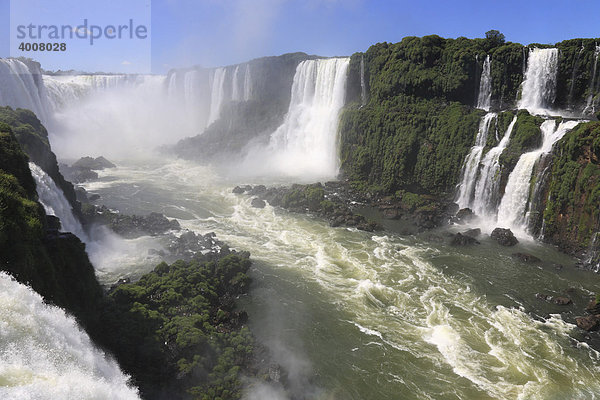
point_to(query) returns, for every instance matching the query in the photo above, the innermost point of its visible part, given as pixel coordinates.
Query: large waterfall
(218, 94)
(22, 87)
(484, 98)
(471, 165)
(305, 144)
(44, 354)
(55, 202)
(512, 209)
(539, 84)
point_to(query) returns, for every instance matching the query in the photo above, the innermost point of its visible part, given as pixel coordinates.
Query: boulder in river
(464, 215)
(589, 323)
(475, 232)
(562, 300)
(98, 163)
(526, 258)
(258, 203)
(463, 240)
(504, 236)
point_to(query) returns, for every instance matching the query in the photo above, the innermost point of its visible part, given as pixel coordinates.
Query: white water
(471, 164)
(487, 186)
(44, 355)
(590, 106)
(539, 84)
(55, 203)
(363, 84)
(511, 212)
(22, 87)
(484, 98)
(217, 95)
(381, 316)
(305, 145)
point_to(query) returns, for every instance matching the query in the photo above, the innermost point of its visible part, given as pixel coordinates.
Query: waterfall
(590, 106)
(514, 203)
(484, 99)
(488, 182)
(22, 87)
(306, 142)
(236, 91)
(46, 355)
(55, 202)
(363, 85)
(247, 83)
(539, 84)
(217, 94)
(471, 164)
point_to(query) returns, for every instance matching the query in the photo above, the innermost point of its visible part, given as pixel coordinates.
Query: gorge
(504, 130)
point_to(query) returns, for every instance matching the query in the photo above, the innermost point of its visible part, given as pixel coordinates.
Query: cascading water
(306, 143)
(471, 165)
(45, 355)
(217, 94)
(590, 106)
(22, 87)
(363, 84)
(247, 84)
(539, 84)
(484, 98)
(488, 182)
(55, 202)
(511, 212)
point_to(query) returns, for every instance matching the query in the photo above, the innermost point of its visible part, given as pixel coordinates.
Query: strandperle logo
(84, 31)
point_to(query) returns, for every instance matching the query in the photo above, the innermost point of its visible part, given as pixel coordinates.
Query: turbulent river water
(357, 315)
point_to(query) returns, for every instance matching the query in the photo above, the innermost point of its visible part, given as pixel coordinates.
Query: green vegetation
(407, 143)
(572, 214)
(526, 136)
(33, 138)
(56, 266)
(176, 329)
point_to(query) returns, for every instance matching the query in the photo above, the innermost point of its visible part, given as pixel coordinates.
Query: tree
(495, 37)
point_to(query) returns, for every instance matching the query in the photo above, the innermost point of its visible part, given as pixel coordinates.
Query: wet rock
(94, 197)
(238, 190)
(543, 296)
(98, 163)
(53, 222)
(475, 232)
(258, 203)
(464, 215)
(562, 301)
(257, 190)
(503, 236)
(589, 323)
(526, 258)
(593, 307)
(463, 240)
(391, 213)
(81, 194)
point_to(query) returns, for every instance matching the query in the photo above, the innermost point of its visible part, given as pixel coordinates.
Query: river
(357, 315)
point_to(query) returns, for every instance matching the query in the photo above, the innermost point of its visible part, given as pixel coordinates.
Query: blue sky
(220, 32)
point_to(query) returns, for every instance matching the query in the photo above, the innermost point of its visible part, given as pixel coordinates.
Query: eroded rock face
(503, 236)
